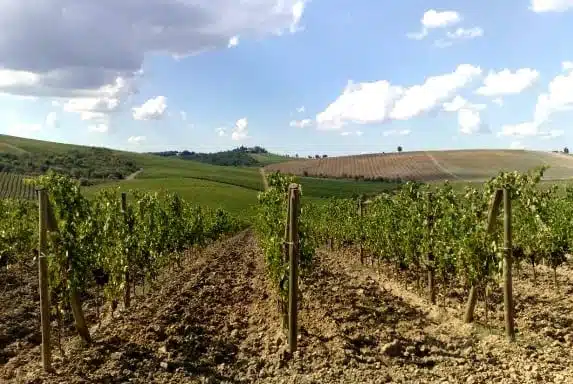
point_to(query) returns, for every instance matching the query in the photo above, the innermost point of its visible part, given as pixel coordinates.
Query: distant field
(232, 188)
(235, 188)
(12, 186)
(237, 200)
(457, 165)
(156, 167)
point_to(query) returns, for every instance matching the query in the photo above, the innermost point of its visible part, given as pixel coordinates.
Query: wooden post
(431, 271)
(43, 279)
(507, 261)
(491, 221)
(287, 229)
(78, 313)
(360, 215)
(294, 206)
(126, 292)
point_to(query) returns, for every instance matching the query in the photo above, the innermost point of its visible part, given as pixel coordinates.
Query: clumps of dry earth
(216, 321)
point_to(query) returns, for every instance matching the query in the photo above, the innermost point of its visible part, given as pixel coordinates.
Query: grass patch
(156, 167)
(236, 200)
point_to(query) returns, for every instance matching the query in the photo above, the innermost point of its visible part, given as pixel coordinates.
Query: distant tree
(566, 150)
(317, 156)
(296, 155)
(323, 156)
(399, 148)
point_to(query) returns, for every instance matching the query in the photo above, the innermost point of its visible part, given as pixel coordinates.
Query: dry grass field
(462, 165)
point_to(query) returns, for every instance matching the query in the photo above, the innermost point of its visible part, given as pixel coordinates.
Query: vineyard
(344, 290)
(462, 165)
(12, 186)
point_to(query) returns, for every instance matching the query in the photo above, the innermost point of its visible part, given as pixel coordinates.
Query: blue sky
(306, 77)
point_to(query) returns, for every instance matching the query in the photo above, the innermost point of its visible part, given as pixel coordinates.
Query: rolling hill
(234, 188)
(454, 165)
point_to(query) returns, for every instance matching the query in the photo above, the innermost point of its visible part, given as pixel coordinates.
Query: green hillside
(234, 188)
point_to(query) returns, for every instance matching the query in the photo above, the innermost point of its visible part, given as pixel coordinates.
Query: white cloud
(301, 123)
(558, 98)
(540, 6)
(505, 82)
(394, 132)
(136, 139)
(297, 10)
(221, 132)
(79, 49)
(300, 109)
(458, 103)
(240, 131)
(530, 129)
(183, 115)
(233, 41)
(419, 99)
(465, 33)
(433, 19)
(152, 109)
(469, 117)
(380, 101)
(498, 101)
(360, 103)
(567, 65)
(52, 120)
(553, 134)
(470, 122)
(440, 19)
(520, 130)
(98, 128)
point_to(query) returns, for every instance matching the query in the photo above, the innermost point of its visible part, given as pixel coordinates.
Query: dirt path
(212, 322)
(215, 321)
(264, 176)
(476, 353)
(442, 168)
(134, 174)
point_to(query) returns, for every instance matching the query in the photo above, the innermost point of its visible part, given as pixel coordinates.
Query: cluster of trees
(240, 156)
(87, 164)
(255, 149)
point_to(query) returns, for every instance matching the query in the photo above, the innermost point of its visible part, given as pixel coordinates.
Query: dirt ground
(216, 321)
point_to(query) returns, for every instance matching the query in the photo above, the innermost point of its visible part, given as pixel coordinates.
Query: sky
(300, 77)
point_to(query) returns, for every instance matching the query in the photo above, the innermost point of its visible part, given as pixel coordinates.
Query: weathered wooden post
(293, 246)
(491, 221)
(43, 280)
(507, 263)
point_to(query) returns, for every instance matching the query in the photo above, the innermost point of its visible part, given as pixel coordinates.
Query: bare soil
(216, 320)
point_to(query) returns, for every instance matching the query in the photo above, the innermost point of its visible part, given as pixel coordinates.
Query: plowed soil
(216, 320)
